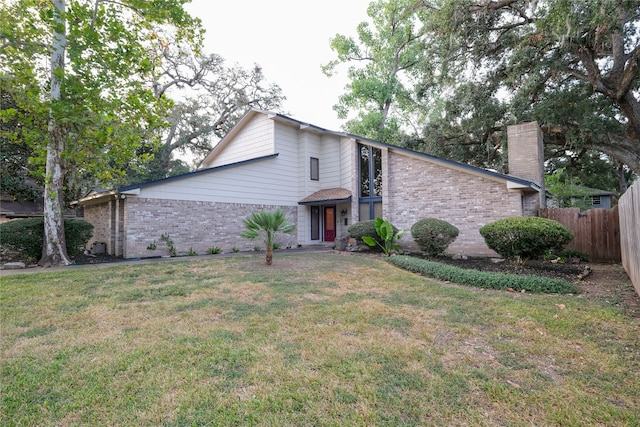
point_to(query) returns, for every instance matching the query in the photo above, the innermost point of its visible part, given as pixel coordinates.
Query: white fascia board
(132, 192)
(516, 185)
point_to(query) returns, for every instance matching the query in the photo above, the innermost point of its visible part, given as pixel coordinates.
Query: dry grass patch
(316, 339)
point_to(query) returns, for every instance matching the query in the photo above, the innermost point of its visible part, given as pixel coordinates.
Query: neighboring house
(11, 209)
(585, 197)
(324, 180)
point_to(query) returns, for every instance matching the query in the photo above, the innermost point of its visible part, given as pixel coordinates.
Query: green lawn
(316, 339)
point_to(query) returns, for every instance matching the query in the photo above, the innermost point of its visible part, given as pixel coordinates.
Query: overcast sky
(289, 39)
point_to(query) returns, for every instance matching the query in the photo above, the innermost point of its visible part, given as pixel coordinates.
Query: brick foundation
(422, 190)
(192, 225)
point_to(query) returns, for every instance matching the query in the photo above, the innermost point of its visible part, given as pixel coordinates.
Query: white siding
(253, 140)
(287, 145)
(295, 147)
(330, 161)
(348, 178)
(326, 148)
(263, 182)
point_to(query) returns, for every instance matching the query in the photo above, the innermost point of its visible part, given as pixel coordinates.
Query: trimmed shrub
(525, 237)
(26, 236)
(77, 233)
(433, 235)
(483, 279)
(368, 229)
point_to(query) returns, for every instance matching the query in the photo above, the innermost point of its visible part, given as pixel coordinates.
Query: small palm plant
(267, 224)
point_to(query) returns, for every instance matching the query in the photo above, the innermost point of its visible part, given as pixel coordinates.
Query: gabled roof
(511, 181)
(134, 189)
(516, 182)
(327, 195)
(197, 172)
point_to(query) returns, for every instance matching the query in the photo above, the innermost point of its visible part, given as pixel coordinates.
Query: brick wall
(530, 204)
(192, 225)
(526, 154)
(420, 189)
(98, 215)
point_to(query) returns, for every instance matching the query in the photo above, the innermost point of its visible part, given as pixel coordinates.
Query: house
(586, 197)
(324, 181)
(11, 209)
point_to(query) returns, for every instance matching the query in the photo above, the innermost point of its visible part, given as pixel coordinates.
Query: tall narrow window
(370, 182)
(364, 171)
(376, 172)
(315, 169)
(315, 222)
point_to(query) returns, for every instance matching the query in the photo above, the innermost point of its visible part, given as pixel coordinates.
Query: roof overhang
(327, 196)
(95, 197)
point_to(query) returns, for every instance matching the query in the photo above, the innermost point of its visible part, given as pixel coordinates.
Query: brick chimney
(526, 155)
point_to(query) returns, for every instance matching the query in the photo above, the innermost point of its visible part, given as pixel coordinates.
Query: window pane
(377, 210)
(377, 171)
(315, 169)
(364, 211)
(364, 171)
(315, 223)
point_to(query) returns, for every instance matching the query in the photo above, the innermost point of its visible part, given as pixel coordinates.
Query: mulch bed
(570, 271)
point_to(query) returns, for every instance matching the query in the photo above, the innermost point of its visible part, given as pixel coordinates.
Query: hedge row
(483, 279)
(26, 236)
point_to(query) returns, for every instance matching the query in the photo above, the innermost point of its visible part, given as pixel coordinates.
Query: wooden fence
(629, 207)
(596, 232)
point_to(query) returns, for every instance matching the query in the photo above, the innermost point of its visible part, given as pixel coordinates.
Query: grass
(317, 339)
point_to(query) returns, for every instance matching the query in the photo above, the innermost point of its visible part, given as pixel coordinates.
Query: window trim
(314, 168)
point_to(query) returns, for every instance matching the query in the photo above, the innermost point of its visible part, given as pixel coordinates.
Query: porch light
(343, 212)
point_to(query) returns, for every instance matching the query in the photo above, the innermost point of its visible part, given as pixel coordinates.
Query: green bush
(574, 253)
(483, 279)
(77, 233)
(26, 236)
(525, 237)
(368, 229)
(433, 235)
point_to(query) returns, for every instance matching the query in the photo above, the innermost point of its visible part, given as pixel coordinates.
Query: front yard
(316, 339)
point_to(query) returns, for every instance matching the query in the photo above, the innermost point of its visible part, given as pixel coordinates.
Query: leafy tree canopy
(210, 97)
(107, 110)
(78, 74)
(383, 59)
(484, 64)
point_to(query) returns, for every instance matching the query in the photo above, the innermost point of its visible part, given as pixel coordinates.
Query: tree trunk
(623, 150)
(622, 180)
(54, 250)
(269, 254)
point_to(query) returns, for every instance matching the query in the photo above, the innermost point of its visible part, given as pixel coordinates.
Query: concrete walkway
(38, 269)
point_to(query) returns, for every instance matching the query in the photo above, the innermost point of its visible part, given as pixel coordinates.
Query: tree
(588, 168)
(570, 65)
(382, 60)
(213, 97)
(16, 180)
(573, 66)
(98, 105)
(266, 225)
